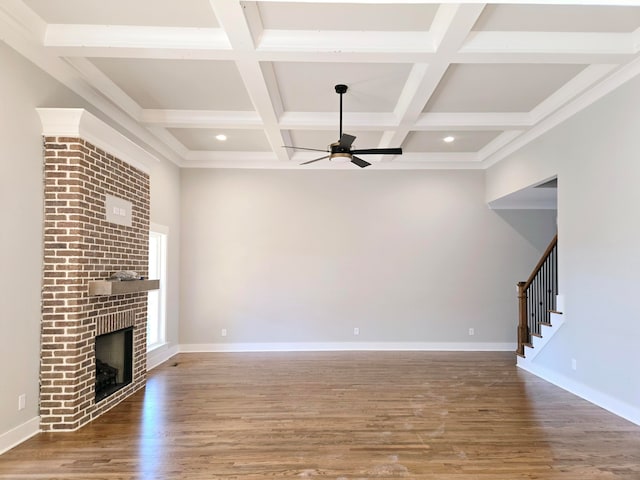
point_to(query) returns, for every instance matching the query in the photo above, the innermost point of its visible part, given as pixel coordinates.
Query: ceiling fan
(342, 148)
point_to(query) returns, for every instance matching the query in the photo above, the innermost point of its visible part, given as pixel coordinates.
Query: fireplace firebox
(114, 362)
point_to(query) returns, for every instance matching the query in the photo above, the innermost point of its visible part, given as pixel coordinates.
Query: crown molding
(78, 122)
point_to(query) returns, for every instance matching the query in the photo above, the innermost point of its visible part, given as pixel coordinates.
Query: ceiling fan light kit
(341, 150)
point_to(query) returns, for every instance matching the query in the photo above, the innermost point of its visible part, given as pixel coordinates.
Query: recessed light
(221, 137)
(449, 139)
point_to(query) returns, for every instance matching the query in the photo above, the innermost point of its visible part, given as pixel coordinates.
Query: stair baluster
(537, 296)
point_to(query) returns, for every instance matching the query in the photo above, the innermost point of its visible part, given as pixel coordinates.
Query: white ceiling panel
(309, 87)
(178, 84)
(337, 16)
(204, 139)
(173, 74)
(498, 87)
(191, 13)
(464, 141)
(558, 18)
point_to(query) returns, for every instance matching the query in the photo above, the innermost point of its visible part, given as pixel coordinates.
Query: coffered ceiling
(175, 74)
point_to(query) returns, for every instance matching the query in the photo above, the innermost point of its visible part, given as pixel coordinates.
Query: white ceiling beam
(23, 21)
(127, 36)
(636, 39)
(628, 3)
(541, 57)
(208, 155)
(327, 120)
(345, 41)
(95, 77)
(124, 41)
(201, 119)
(231, 17)
(472, 121)
(261, 98)
(451, 26)
(449, 157)
(549, 42)
(357, 121)
(166, 136)
(418, 162)
(570, 90)
(173, 53)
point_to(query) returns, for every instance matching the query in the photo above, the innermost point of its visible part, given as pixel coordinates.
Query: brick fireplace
(82, 245)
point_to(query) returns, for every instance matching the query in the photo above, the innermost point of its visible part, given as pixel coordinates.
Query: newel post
(523, 326)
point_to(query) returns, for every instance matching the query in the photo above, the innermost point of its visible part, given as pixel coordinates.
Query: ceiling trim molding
(328, 165)
(77, 122)
(606, 86)
(570, 90)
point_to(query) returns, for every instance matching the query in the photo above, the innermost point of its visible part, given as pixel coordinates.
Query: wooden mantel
(121, 287)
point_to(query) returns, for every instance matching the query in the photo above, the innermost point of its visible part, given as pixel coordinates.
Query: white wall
(303, 257)
(23, 87)
(596, 156)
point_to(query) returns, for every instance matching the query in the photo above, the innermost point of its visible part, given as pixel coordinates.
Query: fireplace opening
(114, 362)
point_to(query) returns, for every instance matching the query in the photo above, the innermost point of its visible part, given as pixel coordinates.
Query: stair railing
(537, 296)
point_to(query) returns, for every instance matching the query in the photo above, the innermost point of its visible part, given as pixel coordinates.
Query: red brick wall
(81, 246)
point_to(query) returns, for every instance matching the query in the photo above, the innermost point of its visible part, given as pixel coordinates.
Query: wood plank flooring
(342, 416)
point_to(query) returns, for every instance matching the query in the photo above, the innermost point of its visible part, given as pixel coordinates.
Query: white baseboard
(19, 434)
(161, 354)
(621, 409)
(346, 346)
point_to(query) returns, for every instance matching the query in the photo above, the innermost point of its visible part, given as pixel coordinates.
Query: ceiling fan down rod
(341, 89)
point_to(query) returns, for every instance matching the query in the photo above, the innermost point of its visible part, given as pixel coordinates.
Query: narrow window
(157, 298)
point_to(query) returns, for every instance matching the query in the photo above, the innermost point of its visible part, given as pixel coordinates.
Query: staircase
(540, 306)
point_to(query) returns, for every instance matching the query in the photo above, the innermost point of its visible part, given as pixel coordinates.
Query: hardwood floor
(348, 415)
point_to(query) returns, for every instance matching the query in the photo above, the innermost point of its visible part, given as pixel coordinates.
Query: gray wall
(596, 157)
(299, 257)
(165, 211)
(23, 88)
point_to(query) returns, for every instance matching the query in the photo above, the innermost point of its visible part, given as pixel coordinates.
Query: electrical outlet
(223, 332)
(22, 401)
(574, 364)
(356, 331)
(472, 331)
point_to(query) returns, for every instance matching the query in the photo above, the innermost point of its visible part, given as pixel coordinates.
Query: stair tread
(546, 324)
(536, 335)
(555, 311)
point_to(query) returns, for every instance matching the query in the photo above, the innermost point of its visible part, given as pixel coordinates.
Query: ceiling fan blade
(346, 140)
(379, 151)
(302, 148)
(359, 162)
(315, 160)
